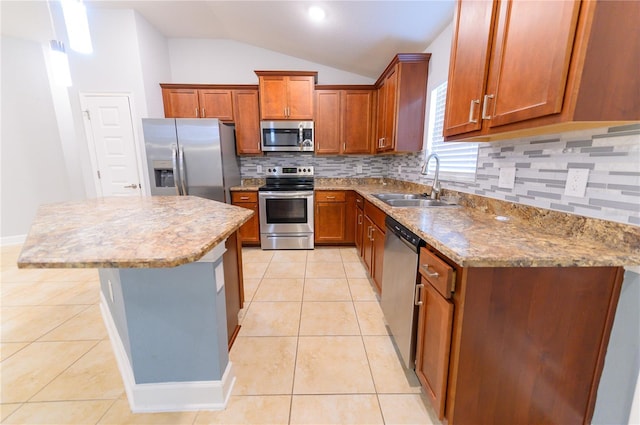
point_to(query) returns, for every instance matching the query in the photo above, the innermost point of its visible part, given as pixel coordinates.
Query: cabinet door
(359, 230)
(434, 344)
(330, 222)
(273, 97)
(468, 66)
(216, 104)
(300, 98)
(389, 116)
(377, 255)
(247, 119)
(250, 231)
(233, 282)
(180, 103)
(327, 126)
(530, 61)
(380, 117)
(367, 244)
(357, 121)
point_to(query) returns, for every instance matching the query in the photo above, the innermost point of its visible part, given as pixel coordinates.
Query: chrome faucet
(435, 187)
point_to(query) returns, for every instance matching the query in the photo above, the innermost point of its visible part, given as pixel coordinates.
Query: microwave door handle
(300, 135)
(183, 171)
(174, 163)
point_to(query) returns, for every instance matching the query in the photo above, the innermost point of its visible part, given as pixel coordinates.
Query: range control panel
(290, 171)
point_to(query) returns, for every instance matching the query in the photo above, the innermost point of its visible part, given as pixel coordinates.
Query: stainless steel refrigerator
(191, 157)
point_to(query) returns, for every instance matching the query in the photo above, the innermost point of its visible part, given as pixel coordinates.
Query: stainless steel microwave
(287, 136)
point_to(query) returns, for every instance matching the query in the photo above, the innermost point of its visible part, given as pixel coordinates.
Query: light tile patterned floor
(313, 349)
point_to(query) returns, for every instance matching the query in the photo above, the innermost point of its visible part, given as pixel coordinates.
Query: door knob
(131, 186)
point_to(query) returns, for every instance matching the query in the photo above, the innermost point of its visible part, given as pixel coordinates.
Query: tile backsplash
(612, 156)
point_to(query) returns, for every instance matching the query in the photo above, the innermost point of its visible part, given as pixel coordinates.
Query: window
(457, 159)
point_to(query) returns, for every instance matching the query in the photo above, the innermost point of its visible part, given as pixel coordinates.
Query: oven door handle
(285, 194)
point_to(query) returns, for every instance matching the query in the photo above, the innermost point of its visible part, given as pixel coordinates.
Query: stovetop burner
(281, 179)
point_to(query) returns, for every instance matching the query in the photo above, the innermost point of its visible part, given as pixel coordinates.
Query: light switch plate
(507, 179)
(259, 169)
(359, 169)
(576, 182)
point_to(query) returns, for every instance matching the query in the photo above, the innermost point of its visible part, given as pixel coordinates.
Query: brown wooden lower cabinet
(373, 242)
(250, 231)
(527, 345)
(233, 284)
(333, 217)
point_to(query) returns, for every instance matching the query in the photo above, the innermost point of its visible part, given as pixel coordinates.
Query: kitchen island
(160, 261)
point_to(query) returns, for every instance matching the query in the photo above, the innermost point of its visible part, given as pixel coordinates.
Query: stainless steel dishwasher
(399, 279)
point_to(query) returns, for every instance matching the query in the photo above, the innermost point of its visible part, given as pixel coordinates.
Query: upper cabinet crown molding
(286, 95)
(510, 76)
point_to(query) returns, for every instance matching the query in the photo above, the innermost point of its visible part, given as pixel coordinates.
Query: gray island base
(162, 282)
(168, 330)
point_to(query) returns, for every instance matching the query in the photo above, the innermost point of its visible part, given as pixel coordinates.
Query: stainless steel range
(286, 208)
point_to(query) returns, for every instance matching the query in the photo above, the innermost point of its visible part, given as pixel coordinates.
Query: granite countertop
(146, 232)
(470, 235)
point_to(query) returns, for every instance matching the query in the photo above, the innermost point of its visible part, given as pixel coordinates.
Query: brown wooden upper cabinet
(344, 119)
(232, 103)
(527, 68)
(286, 95)
(247, 119)
(402, 97)
(182, 101)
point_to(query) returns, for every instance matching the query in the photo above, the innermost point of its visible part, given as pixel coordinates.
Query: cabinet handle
(425, 267)
(344, 147)
(203, 114)
(484, 106)
(416, 295)
(360, 219)
(197, 113)
(369, 229)
(472, 108)
(244, 198)
(331, 197)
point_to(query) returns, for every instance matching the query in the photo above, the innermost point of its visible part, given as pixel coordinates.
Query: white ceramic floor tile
(332, 365)
(353, 409)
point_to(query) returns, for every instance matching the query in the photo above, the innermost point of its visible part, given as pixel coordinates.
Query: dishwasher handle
(416, 295)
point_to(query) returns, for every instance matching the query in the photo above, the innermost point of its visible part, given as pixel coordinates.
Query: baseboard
(12, 240)
(166, 396)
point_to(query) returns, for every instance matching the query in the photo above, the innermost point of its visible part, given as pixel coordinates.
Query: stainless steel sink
(417, 203)
(410, 200)
(393, 196)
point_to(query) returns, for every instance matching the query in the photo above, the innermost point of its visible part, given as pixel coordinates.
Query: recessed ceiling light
(316, 13)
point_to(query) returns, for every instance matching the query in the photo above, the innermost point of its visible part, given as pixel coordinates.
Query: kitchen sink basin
(393, 196)
(410, 200)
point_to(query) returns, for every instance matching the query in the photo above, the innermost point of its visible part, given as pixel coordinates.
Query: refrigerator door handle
(183, 172)
(174, 163)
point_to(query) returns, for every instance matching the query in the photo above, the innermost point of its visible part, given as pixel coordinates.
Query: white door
(109, 129)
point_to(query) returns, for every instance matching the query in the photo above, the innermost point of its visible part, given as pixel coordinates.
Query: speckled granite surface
(470, 235)
(159, 231)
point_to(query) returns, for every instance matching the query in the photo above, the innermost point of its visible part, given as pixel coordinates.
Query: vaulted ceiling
(355, 36)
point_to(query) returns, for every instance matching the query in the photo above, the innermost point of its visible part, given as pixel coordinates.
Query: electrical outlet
(259, 169)
(399, 169)
(507, 179)
(576, 182)
(359, 169)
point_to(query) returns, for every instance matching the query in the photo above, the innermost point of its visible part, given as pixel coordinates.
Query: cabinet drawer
(376, 215)
(330, 196)
(439, 274)
(359, 200)
(244, 196)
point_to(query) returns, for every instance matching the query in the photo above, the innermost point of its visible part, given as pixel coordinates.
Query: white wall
(33, 170)
(231, 62)
(155, 64)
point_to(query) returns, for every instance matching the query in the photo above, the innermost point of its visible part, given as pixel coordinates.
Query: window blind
(457, 159)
